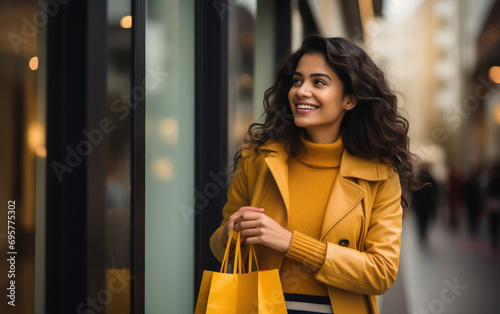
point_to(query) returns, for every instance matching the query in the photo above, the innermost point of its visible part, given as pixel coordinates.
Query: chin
(301, 123)
(297, 123)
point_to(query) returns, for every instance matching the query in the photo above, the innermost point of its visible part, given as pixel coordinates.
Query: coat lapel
(344, 197)
(279, 169)
(346, 193)
(277, 162)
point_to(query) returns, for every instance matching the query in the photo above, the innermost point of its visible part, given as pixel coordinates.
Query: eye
(319, 82)
(296, 81)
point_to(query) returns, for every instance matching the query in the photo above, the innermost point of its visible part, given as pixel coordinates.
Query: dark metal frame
(76, 90)
(310, 25)
(211, 121)
(282, 29)
(138, 157)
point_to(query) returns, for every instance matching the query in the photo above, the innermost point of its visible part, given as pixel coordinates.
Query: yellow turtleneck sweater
(311, 181)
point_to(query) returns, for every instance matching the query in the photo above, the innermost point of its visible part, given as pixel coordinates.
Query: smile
(307, 107)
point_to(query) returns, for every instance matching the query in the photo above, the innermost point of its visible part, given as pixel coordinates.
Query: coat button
(344, 242)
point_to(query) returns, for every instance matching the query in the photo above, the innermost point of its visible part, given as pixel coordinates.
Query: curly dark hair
(373, 129)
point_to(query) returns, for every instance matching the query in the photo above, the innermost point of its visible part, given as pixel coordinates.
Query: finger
(227, 232)
(247, 224)
(248, 216)
(240, 212)
(251, 232)
(230, 225)
(251, 208)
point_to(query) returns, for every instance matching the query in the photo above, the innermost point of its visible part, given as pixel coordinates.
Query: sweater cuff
(307, 250)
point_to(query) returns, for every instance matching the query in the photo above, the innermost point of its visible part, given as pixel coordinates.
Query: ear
(350, 102)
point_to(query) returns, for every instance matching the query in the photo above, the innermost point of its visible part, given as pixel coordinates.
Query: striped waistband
(305, 304)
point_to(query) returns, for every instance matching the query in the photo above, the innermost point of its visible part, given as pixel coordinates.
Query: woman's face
(316, 98)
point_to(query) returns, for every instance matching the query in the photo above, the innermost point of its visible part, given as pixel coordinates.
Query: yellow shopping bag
(240, 292)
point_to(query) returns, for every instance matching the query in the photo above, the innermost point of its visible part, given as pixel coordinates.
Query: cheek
(332, 101)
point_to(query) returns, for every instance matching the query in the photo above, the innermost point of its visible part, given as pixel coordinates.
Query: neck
(322, 155)
(321, 137)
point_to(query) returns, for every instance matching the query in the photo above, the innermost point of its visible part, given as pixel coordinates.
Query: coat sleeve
(373, 271)
(236, 198)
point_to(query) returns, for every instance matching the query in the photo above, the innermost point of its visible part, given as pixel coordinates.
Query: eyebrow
(314, 75)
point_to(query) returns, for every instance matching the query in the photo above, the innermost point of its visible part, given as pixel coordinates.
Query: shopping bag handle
(223, 266)
(252, 256)
(238, 260)
(237, 255)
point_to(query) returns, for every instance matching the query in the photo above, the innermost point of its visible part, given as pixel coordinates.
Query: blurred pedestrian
(493, 204)
(425, 201)
(473, 200)
(455, 182)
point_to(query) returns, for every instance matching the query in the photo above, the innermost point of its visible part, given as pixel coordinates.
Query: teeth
(306, 107)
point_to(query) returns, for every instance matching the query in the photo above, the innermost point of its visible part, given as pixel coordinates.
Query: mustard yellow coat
(364, 208)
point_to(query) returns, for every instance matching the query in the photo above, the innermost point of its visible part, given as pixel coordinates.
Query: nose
(304, 90)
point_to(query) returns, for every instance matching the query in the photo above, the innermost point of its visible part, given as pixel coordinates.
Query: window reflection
(118, 175)
(21, 141)
(241, 72)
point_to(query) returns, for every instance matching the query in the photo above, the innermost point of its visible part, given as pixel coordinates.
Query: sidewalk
(452, 274)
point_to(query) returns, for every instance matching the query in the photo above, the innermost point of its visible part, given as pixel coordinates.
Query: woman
(320, 186)
(493, 204)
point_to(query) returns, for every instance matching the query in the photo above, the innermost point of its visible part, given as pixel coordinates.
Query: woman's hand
(258, 228)
(232, 218)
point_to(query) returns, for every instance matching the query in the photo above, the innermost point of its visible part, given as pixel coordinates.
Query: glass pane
(251, 49)
(170, 79)
(241, 64)
(118, 175)
(21, 143)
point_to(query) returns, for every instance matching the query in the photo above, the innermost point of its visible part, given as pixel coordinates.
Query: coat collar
(346, 193)
(350, 167)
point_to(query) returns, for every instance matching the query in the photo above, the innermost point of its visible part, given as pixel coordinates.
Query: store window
(251, 66)
(22, 144)
(170, 94)
(118, 156)
(241, 64)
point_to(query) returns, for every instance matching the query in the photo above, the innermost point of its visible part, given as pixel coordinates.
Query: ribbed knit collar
(322, 155)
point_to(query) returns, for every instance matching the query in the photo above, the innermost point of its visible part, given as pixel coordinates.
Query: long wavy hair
(373, 129)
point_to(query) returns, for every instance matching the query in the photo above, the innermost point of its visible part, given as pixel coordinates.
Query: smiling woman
(317, 99)
(320, 186)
